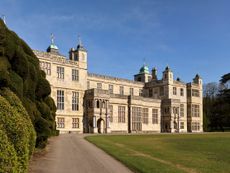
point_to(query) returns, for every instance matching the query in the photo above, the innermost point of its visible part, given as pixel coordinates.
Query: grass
(169, 153)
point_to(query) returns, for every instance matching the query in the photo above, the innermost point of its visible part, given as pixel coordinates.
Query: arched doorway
(101, 125)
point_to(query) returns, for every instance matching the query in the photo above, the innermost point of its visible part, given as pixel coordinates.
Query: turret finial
(79, 40)
(52, 47)
(52, 38)
(144, 60)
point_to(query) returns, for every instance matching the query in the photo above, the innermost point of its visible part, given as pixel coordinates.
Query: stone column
(95, 130)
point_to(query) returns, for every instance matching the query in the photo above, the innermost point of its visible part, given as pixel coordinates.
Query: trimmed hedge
(27, 112)
(17, 127)
(20, 71)
(8, 157)
(16, 104)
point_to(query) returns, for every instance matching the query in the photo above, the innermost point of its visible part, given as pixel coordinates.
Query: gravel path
(70, 153)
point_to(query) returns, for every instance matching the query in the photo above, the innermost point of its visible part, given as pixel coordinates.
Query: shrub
(43, 88)
(8, 157)
(19, 63)
(16, 104)
(16, 128)
(33, 108)
(43, 130)
(44, 110)
(4, 74)
(16, 83)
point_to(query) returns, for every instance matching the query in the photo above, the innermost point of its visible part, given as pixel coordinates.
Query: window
(150, 92)
(99, 86)
(174, 91)
(182, 110)
(131, 91)
(195, 111)
(121, 90)
(103, 105)
(97, 104)
(176, 110)
(195, 126)
(140, 92)
(60, 72)
(60, 123)
(195, 93)
(136, 119)
(46, 67)
(145, 116)
(75, 101)
(181, 125)
(121, 114)
(75, 123)
(165, 76)
(181, 92)
(161, 91)
(75, 75)
(155, 116)
(139, 79)
(76, 57)
(88, 85)
(111, 113)
(110, 89)
(60, 99)
(155, 91)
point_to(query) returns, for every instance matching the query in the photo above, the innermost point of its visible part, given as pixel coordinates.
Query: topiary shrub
(50, 102)
(45, 111)
(16, 83)
(8, 157)
(44, 131)
(4, 74)
(17, 128)
(15, 102)
(20, 71)
(19, 63)
(43, 88)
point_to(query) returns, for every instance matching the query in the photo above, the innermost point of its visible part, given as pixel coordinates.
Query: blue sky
(191, 36)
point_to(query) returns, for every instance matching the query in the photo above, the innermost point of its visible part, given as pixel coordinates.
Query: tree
(224, 100)
(210, 91)
(216, 104)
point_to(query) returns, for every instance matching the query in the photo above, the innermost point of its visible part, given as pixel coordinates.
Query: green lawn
(171, 153)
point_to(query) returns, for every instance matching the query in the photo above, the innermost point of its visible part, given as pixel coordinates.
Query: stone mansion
(93, 103)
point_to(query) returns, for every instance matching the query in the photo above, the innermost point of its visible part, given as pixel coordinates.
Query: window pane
(60, 99)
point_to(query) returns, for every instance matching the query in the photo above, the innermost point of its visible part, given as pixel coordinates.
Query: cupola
(78, 54)
(52, 47)
(144, 69)
(143, 75)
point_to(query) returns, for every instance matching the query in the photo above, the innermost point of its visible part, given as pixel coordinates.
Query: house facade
(93, 103)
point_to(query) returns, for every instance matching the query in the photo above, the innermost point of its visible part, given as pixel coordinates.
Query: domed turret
(168, 75)
(143, 75)
(52, 47)
(78, 54)
(144, 69)
(167, 68)
(80, 47)
(197, 80)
